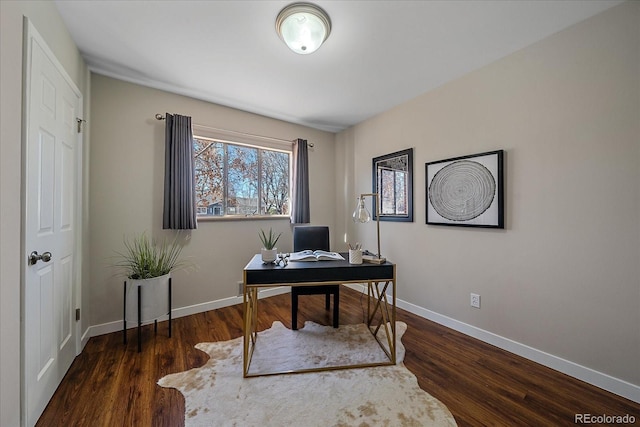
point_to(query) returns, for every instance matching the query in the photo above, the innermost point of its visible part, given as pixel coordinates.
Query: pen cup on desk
(355, 256)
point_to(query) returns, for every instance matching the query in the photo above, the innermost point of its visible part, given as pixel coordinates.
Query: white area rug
(217, 395)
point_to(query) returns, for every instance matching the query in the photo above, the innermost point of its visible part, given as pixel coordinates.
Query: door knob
(34, 257)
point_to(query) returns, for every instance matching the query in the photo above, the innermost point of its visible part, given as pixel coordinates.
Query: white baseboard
(588, 375)
(107, 328)
(84, 339)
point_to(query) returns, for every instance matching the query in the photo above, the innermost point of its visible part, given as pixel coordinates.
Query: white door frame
(31, 34)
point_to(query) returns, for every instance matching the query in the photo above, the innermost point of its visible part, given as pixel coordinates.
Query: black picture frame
(466, 191)
(392, 176)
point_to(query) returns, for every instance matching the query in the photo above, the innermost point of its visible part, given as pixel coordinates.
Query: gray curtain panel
(300, 212)
(179, 211)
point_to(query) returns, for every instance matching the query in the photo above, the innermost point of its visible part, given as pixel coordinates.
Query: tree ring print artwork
(462, 190)
(466, 191)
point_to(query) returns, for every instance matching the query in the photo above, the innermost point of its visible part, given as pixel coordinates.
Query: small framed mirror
(393, 181)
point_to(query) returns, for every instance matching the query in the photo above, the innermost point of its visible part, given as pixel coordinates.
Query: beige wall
(127, 169)
(45, 17)
(564, 276)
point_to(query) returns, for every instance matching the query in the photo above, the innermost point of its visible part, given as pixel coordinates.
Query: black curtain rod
(310, 144)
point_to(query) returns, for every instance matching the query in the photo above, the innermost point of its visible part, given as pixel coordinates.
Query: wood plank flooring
(110, 384)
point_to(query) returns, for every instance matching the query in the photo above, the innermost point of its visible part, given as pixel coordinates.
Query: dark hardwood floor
(110, 384)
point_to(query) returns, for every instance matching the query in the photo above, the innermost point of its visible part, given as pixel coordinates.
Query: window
(239, 179)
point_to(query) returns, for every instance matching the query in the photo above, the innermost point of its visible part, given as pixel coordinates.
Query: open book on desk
(318, 255)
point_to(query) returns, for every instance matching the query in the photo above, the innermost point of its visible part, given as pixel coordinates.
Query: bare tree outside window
(275, 183)
(240, 180)
(209, 166)
(394, 192)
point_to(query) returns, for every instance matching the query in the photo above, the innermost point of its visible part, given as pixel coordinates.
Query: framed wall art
(393, 180)
(466, 191)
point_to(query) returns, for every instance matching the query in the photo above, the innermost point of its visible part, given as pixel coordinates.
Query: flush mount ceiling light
(303, 27)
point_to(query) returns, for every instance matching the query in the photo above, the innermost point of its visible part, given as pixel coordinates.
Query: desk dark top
(257, 273)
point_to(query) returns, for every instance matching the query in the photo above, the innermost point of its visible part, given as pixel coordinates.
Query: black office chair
(313, 237)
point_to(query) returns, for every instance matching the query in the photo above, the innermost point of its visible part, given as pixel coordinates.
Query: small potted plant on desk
(269, 251)
(147, 268)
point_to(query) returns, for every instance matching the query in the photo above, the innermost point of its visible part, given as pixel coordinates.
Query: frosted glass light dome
(303, 27)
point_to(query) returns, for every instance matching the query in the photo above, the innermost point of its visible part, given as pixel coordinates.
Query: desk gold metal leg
(254, 315)
(388, 316)
(393, 317)
(369, 296)
(245, 330)
(381, 302)
(250, 314)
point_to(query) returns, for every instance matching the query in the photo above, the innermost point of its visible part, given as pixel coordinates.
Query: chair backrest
(310, 237)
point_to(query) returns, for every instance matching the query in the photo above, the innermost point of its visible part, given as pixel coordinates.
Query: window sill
(213, 218)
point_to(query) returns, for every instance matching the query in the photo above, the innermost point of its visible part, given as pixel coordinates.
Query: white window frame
(252, 141)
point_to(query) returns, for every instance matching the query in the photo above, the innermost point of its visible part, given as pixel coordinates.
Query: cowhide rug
(216, 394)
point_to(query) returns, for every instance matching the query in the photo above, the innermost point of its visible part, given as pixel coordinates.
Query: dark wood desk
(380, 280)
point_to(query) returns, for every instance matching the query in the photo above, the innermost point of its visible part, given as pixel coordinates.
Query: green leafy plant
(142, 259)
(269, 241)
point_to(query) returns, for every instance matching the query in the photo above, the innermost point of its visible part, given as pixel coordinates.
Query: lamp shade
(303, 27)
(361, 214)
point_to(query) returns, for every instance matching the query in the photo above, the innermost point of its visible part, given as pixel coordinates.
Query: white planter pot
(154, 295)
(269, 255)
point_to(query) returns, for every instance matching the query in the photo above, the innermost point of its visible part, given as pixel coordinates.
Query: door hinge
(80, 121)
(77, 314)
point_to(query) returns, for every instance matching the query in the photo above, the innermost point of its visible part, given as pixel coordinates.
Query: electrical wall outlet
(475, 300)
(240, 290)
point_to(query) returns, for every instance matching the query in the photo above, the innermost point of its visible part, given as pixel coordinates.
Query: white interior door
(51, 171)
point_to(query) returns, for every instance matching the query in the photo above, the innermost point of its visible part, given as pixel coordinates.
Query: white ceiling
(379, 54)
